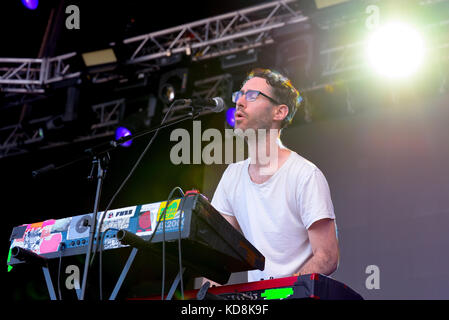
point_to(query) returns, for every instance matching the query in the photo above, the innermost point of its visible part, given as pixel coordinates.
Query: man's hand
(323, 239)
(212, 283)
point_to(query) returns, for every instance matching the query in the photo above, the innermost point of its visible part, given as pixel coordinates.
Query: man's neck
(267, 153)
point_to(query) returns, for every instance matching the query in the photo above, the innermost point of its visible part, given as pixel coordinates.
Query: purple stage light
(121, 132)
(30, 4)
(230, 116)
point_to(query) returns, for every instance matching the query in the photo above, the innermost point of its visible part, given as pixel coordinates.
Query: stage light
(395, 50)
(136, 121)
(167, 93)
(121, 132)
(30, 4)
(100, 60)
(172, 84)
(230, 117)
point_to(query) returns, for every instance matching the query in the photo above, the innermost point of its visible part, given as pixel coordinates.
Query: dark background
(386, 160)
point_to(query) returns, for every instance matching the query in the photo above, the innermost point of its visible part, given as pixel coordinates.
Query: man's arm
(233, 221)
(323, 239)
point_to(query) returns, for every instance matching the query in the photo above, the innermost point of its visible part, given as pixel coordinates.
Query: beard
(262, 121)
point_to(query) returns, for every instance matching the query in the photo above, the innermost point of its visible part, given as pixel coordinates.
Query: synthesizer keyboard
(309, 286)
(211, 247)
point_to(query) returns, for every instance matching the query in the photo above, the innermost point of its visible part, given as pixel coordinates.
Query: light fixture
(167, 93)
(138, 121)
(30, 4)
(395, 50)
(171, 84)
(230, 117)
(121, 132)
(100, 60)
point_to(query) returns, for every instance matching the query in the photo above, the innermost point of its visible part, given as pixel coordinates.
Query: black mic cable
(126, 179)
(162, 218)
(97, 239)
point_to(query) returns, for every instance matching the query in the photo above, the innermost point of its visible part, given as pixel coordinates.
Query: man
(282, 207)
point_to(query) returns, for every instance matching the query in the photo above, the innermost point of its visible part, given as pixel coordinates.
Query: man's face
(256, 114)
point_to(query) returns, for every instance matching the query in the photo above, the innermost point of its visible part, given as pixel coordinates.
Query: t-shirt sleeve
(220, 200)
(314, 200)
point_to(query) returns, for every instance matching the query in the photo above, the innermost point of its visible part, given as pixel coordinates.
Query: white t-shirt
(275, 215)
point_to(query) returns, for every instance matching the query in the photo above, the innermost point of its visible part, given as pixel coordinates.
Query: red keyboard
(311, 286)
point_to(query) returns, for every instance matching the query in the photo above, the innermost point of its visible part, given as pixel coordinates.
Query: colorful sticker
(50, 243)
(118, 218)
(36, 235)
(19, 233)
(121, 213)
(111, 243)
(32, 238)
(171, 212)
(122, 223)
(171, 226)
(77, 229)
(146, 222)
(61, 225)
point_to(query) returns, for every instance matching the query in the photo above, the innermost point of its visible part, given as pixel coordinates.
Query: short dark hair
(283, 91)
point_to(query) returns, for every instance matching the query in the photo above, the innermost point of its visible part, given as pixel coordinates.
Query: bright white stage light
(395, 50)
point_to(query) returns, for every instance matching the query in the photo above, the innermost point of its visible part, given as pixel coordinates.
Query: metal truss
(108, 115)
(342, 59)
(32, 75)
(212, 37)
(207, 38)
(21, 75)
(216, 36)
(17, 139)
(217, 86)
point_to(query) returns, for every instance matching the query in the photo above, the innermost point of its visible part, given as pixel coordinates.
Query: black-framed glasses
(250, 95)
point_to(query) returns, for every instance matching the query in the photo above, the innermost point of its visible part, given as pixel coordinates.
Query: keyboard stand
(123, 274)
(30, 257)
(175, 284)
(51, 289)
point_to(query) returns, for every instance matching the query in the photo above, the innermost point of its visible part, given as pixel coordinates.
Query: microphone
(43, 170)
(213, 104)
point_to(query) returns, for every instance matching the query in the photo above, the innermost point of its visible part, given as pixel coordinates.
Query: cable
(61, 249)
(101, 259)
(179, 248)
(163, 214)
(192, 115)
(126, 180)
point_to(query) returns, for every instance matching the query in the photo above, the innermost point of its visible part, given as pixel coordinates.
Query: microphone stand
(101, 161)
(106, 147)
(102, 165)
(100, 177)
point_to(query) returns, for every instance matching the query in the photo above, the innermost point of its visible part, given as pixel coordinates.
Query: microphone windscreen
(220, 104)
